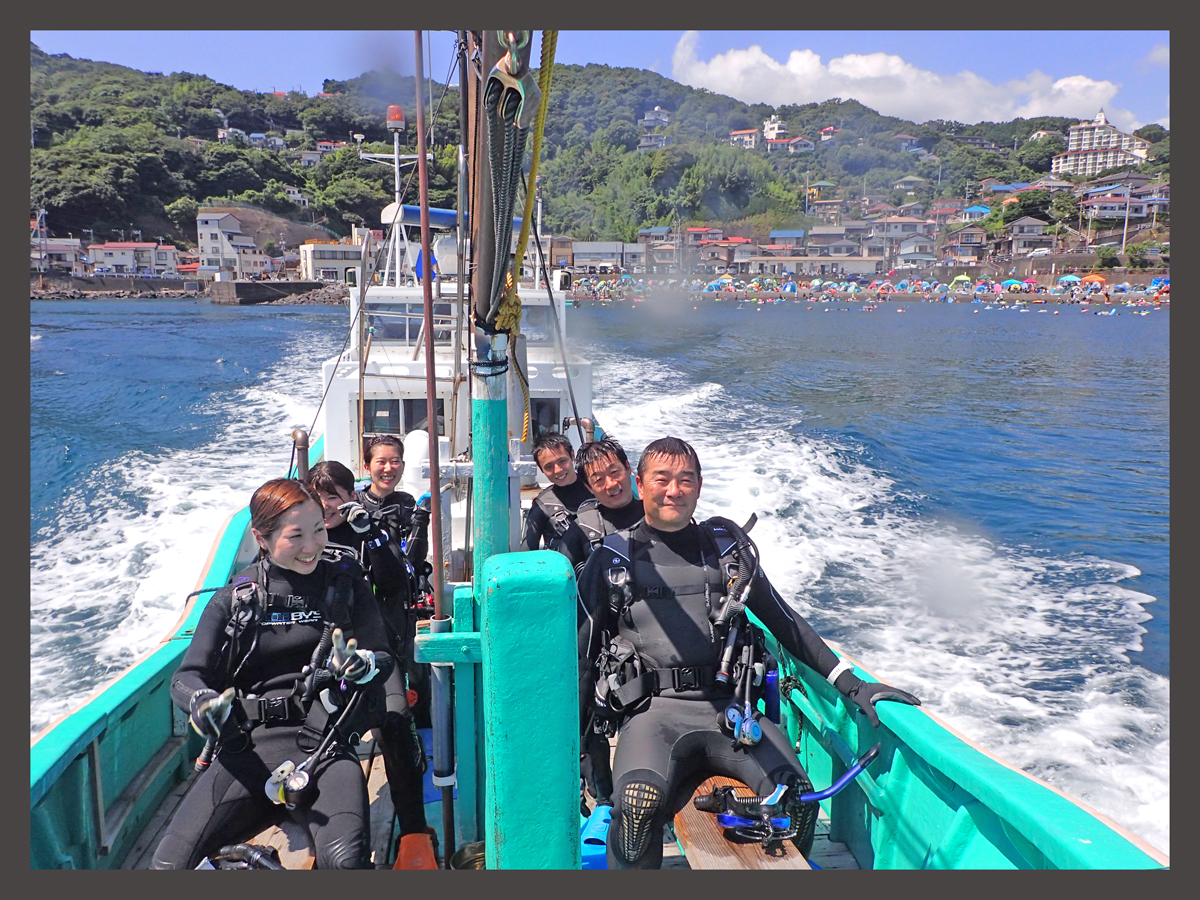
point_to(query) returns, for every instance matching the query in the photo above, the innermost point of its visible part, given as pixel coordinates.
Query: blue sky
(964, 75)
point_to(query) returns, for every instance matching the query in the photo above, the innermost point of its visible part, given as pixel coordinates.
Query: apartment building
(1095, 145)
(222, 247)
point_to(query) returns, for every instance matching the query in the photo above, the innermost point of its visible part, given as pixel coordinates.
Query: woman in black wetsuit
(241, 679)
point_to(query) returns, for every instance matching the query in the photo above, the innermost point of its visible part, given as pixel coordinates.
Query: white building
(747, 137)
(221, 246)
(57, 255)
(293, 194)
(330, 259)
(774, 129)
(1095, 146)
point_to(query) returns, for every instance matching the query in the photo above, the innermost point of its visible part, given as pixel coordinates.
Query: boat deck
(295, 852)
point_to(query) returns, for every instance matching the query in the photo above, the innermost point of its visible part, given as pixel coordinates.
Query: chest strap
(272, 710)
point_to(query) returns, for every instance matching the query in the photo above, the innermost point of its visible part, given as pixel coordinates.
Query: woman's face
(298, 539)
(330, 503)
(385, 469)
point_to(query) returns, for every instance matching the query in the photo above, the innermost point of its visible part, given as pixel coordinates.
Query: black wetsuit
(552, 513)
(597, 520)
(228, 803)
(388, 571)
(576, 545)
(671, 741)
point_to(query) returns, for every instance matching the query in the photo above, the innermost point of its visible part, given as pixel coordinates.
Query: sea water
(972, 503)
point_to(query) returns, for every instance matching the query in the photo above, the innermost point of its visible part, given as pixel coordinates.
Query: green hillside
(110, 151)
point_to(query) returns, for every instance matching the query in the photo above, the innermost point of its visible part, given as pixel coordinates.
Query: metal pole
(460, 234)
(443, 747)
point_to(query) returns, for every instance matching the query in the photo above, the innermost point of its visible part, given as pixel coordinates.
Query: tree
(1038, 155)
(1152, 132)
(183, 213)
(1106, 257)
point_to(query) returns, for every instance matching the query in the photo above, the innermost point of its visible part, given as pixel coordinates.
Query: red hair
(275, 498)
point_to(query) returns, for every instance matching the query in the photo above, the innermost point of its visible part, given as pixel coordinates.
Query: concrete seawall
(243, 293)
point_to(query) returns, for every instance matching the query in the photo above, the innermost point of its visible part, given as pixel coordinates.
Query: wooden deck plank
(706, 847)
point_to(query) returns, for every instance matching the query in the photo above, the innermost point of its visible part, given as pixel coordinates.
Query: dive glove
(866, 693)
(208, 710)
(348, 662)
(420, 513)
(357, 516)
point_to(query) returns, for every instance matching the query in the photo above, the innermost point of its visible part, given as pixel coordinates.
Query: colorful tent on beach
(1098, 279)
(958, 278)
(1069, 278)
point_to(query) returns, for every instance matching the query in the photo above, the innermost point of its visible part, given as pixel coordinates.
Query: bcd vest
(670, 646)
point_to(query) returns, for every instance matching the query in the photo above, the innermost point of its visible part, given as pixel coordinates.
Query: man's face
(558, 465)
(608, 478)
(669, 491)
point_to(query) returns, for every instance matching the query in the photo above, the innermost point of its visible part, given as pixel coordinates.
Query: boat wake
(1024, 652)
(109, 577)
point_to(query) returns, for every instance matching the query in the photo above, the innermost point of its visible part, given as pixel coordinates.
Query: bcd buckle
(685, 678)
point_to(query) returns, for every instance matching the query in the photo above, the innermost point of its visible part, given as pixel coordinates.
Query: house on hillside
(787, 237)
(222, 247)
(800, 145)
(746, 138)
(774, 129)
(967, 244)
(1023, 235)
(908, 183)
(916, 251)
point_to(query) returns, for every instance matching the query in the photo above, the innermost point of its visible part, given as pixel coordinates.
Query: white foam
(112, 586)
(1023, 652)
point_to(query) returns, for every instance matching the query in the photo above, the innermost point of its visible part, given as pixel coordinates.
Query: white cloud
(893, 86)
(1159, 55)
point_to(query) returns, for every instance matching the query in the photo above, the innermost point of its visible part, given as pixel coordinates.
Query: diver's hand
(348, 662)
(208, 710)
(357, 516)
(866, 693)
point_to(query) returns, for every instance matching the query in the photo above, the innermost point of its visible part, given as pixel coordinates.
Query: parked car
(1041, 251)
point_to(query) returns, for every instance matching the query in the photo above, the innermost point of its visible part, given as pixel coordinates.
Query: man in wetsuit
(676, 572)
(605, 468)
(554, 509)
(353, 530)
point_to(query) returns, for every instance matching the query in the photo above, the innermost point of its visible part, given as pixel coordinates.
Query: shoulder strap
(589, 519)
(556, 511)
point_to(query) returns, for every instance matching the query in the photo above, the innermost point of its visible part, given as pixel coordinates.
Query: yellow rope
(508, 316)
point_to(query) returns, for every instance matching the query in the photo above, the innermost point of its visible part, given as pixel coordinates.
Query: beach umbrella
(790, 287)
(1069, 278)
(1030, 281)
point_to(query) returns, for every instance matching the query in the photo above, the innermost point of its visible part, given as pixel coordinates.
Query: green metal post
(489, 450)
(530, 712)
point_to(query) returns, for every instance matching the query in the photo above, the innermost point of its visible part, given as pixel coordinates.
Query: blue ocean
(974, 503)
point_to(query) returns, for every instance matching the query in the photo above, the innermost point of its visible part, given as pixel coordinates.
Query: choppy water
(973, 505)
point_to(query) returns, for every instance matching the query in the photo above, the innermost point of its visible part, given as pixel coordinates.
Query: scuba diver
(352, 530)
(604, 467)
(399, 515)
(287, 662)
(553, 510)
(668, 659)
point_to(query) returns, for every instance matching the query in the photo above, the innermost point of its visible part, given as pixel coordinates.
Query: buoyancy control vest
(556, 511)
(253, 607)
(650, 649)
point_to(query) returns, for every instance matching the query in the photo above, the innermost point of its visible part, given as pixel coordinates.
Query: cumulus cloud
(1159, 55)
(888, 83)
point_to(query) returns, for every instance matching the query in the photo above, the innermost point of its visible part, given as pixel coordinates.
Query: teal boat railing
(931, 800)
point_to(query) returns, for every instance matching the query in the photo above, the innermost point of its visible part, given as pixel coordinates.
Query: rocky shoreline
(330, 295)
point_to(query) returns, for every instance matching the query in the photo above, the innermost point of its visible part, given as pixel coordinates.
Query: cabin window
(544, 415)
(416, 414)
(382, 417)
(536, 324)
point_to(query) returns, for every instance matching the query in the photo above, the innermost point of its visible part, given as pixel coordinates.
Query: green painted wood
(931, 800)
(489, 431)
(530, 711)
(450, 647)
(466, 731)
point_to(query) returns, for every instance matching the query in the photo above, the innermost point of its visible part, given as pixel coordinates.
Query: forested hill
(110, 151)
